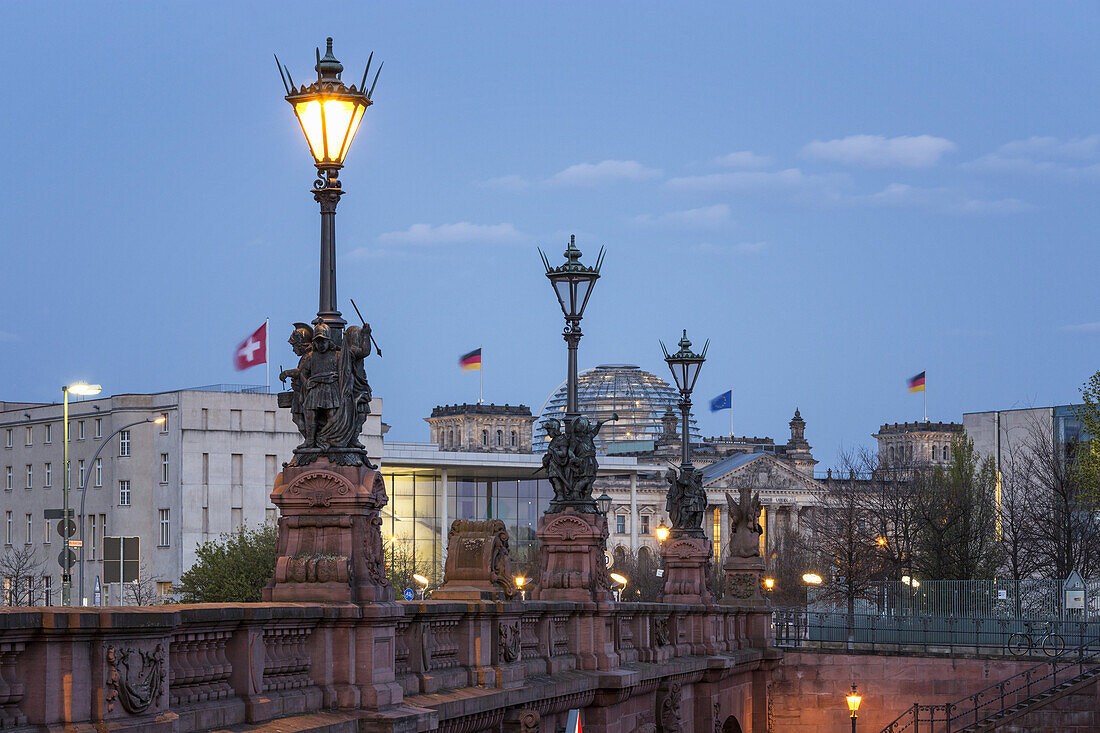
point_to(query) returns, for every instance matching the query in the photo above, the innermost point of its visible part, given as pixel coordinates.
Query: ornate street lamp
(329, 112)
(604, 503)
(853, 699)
(685, 366)
(573, 283)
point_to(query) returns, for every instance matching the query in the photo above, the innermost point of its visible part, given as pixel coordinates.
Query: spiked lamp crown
(328, 110)
(572, 281)
(685, 364)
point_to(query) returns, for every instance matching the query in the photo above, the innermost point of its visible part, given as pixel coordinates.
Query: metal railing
(797, 628)
(991, 598)
(1010, 695)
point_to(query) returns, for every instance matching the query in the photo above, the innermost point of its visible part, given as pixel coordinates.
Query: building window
(500, 438)
(80, 471)
(124, 443)
(8, 484)
(513, 438)
(80, 430)
(450, 438)
(891, 454)
(485, 437)
(947, 453)
(93, 536)
(47, 590)
(718, 534)
(98, 426)
(164, 468)
(8, 521)
(30, 476)
(620, 524)
(206, 468)
(164, 589)
(8, 599)
(49, 476)
(30, 530)
(124, 493)
(49, 433)
(934, 449)
(30, 433)
(8, 443)
(164, 425)
(645, 524)
(165, 528)
(98, 468)
(47, 525)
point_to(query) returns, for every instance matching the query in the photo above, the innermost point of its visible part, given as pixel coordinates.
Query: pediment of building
(781, 479)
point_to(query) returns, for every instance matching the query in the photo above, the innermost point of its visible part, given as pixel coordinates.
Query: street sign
(608, 558)
(66, 559)
(97, 593)
(56, 513)
(66, 528)
(76, 543)
(408, 594)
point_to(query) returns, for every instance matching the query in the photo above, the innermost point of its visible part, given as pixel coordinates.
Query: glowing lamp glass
(620, 579)
(420, 579)
(769, 583)
(854, 699)
(520, 581)
(80, 388)
(330, 126)
(662, 533)
(159, 421)
(811, 578)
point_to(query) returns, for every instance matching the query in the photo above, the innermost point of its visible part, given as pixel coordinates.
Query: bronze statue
(301, 342)
(570, 461)
(687, 501)
(745, 529)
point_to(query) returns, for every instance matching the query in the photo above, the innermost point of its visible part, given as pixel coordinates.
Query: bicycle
(1052, 644)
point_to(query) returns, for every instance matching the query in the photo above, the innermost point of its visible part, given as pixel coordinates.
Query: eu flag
(723, 401)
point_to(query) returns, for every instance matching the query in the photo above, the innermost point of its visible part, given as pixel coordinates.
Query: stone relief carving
(660, 630)
(741, 585)
(668, 708)
(717, 718)
(135, 677)
(509, 641)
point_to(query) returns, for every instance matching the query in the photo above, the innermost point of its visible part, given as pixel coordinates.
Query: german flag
(472, 361)
(916, 384)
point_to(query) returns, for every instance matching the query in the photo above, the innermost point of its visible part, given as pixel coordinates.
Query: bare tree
(402, 563)
(21, 573)
(640, 569)
(143, 591)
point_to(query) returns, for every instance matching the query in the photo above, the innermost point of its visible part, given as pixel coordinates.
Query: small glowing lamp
(662, 533)
(420, 579)
(620, 579)
(854, 699)
(769, 583)
(811, 578)
(80, 388)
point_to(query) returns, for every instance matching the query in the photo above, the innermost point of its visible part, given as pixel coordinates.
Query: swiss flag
(253, 350)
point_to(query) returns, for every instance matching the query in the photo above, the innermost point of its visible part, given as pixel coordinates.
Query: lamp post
(329, 112)
(79, 388)
(853, 699)
(685, 365)
(573, 283)
(603, 503)
(84, 493)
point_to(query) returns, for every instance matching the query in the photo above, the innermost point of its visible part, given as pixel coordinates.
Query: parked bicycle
(1052, 644)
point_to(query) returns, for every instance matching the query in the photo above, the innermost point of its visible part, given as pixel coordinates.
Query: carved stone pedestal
(478, 567)
(744, 577)
(571, 564)
(330, 539)
(687, 567)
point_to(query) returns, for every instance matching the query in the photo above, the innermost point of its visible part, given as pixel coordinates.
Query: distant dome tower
(640, 398)
(798, 450)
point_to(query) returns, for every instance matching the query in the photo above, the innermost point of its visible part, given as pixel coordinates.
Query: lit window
(124, 493)
(49, 475)
(98, 426)
(30, 432)
(124, 443)
(165, 528)
(47, 525)
(49, 433)
(164, 468)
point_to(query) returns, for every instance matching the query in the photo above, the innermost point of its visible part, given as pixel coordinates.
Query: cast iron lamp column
(329, 113)
(67, 571)
(685, 366)
(573, 283)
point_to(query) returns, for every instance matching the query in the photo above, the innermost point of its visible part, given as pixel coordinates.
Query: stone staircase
(1033, 703)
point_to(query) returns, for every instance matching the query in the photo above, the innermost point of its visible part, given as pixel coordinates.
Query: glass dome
(641, 399)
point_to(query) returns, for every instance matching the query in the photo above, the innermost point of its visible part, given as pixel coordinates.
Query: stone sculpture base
(478, 566)
(571, 564)
(744, 577)
(330, 539)
(687, 567)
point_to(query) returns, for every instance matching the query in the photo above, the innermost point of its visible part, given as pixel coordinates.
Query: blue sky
(838, 195)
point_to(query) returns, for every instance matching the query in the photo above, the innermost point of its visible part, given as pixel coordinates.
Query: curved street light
(84, 390)
(84, 492)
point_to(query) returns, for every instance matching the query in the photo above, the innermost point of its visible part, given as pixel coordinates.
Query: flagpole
(731, 413)
(481, 376)
(925, 390)
(267, 354)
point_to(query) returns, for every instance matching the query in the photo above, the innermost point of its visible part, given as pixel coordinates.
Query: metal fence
(798, 628)
(974, 599)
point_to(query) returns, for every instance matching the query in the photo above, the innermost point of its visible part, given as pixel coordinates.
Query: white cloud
(791, 178)
(704, 217)
(743, 159)
(1082, 327)
(463, 231)
(902, 195)
(740, 248)
(607, 171)
(876, 151)
(1075, 158)
(508, 183)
